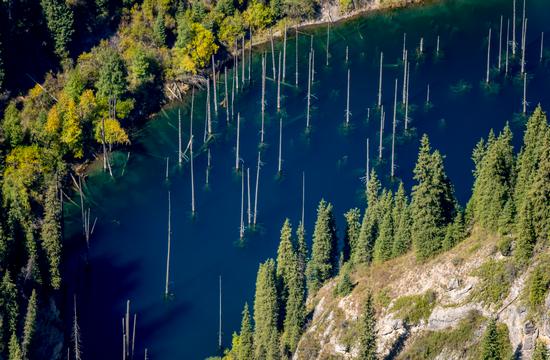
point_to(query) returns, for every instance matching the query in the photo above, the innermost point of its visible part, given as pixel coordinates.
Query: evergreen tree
(286, 259)
(402, 223)
(51, 234)
(351, 235)
(490, 346)
(159, 30)
(111, 82)
(30, 323)
(433, 203)
(59, 18)
(301, 247)
(529, 156)
(295, 310)
(324, 254)
(367, 332)
(384, 243)
(526, 240)
(246, 340)
(274, 346)
(11, 125)
(14, 348)
(541, 352)
(369, 227)
(266, 309)
(455, 231)
(8, 301)
(494, 183)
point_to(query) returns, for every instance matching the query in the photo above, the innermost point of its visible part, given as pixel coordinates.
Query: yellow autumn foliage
(114, 133)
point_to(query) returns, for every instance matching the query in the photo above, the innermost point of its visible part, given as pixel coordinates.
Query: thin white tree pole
(257, 185)
(263, 102)
(191, 159)
(437, 46)
(404, 48)
(133, 337)
(208, 166)
(381, 131)
(523, 26)
(280, 161)
(421, 46)
(303, 196)
(169, 245)
(237, 155)
(541, 45)
(76, 332)
(367, 171)
(208, 113)
(179, 137)
(328, 42)
(272, 55)
(347, 100)
(279, 84)
(380, 80)
(407, 98)
(514, 29)
(220, 312)
(233, 82)
(405, 56)
(308, 92)
(428, 95)
(242, 62)
(241, 228)
(226, 96)
(393, 131)
(500, 44)
(167, 167)
(250, 56)
(507, 45)
(488, 56)
(524, 103)
(215, 87)
(249, 208)
(284, 55)
(523, 47)
(236, 66)
(297, 56)
(347, 54)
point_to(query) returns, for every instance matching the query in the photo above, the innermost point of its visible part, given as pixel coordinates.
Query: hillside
(432, 310)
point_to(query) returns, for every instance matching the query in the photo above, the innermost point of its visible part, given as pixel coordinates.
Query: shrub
(413, 308)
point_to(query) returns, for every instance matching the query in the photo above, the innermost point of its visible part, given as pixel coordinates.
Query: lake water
(127, 256)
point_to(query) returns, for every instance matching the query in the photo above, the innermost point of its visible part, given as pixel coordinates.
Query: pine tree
(301, 247)
(384, 243)
(59, 18)
(529, 156)
(295, 310)
(159, 30)
(30, 323)
(266, 309)
(111, 82)
(8, 301)
(286, 259)
(541, 351)
(367, 332)
(51, 234)
(494, 183)
(490, 346)
(351, 235)
(369, 226)
(246, 340)
(526, 240)
(324, 254)
(455, 231)
(14, 348)
(433, 203)
(402, 223)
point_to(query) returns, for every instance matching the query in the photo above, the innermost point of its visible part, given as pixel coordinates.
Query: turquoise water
(127, 256)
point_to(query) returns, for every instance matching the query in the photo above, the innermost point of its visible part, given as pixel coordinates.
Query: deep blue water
(127, 258)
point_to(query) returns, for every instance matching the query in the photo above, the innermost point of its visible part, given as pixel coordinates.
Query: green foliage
(301, 248)
(402, 223)
(496, 277)
(369, 227)
(51, 234)
(266, 309)
(384, 243)
(541, 351)
(11, 125)
(111, 82)
(287, 262)
(29, 327)
(324, 255)
(8, 302)
(351, 234)
(414, 308)
(430, 344)
(258, 16)
(295, 311)
(345, 6)
(159, 30)
(367, 332)
(456, 231)
(14, 348)
(538, 285)
(246, 340)
(496, 343)
(59, 18)
(231, 29)
(344, 286)
(299, 9)
(433, 203)
(194, 47)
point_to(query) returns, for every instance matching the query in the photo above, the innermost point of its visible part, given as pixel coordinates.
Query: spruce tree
(301, 247)
(402, 223)
(30, 323)
(526, 234)
(59, 18)
(455, 232)
(494, 183)
(433, 203)
(351, 234)
(367, 332)
(324, 255)
(490, 346)
(246, 340)
(159, 29)
(384, 243)
(529, 156)
(295, 310)
(286, 259)
(8, 302)
(14, 348)
(51, 234)
(369, 226)
(266, 309)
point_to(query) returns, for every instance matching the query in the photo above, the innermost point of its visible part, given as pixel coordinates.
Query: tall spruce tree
(351, 234)
(246, 337)
(367, 332)
(30, 323)
(384, 242)
(369, 226)
(294, 310)
(14, 348)
(433, 203)
(8, 302)
(60, 20)
(51, 234)
(286, 259)
(266, 309)
(301, 247)
(494, 183)
(490, 346)
(402, 223)
(324, 254)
